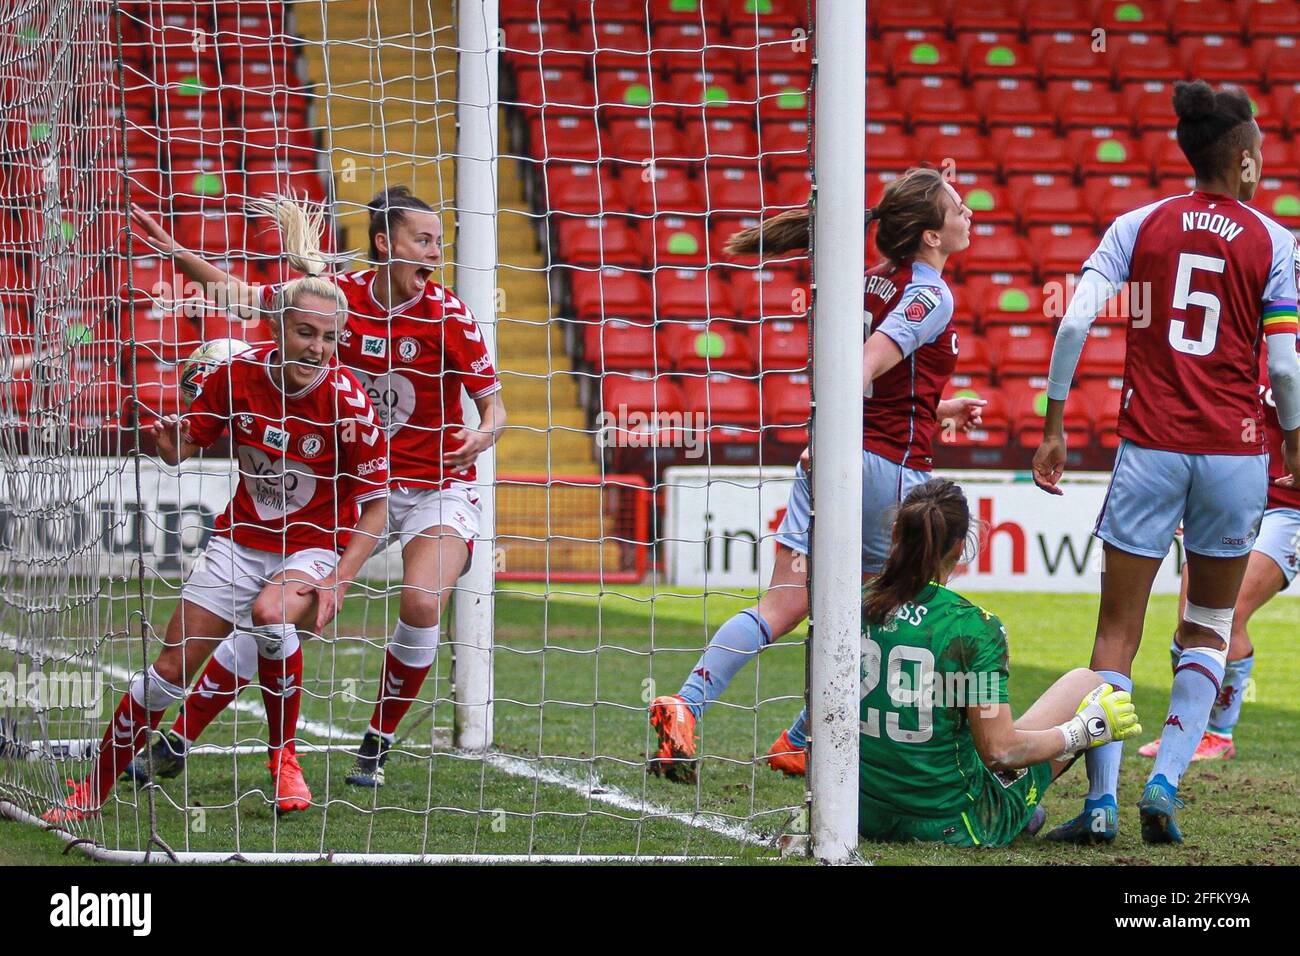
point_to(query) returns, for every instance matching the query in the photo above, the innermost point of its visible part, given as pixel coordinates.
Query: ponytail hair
(388, 209)
(1213, 128)
(910, 206)
(931, 520)
(302, 225)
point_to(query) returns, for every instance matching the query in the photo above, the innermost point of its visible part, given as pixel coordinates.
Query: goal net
(588, 162)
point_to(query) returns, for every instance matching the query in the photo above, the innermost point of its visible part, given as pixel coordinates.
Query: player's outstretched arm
(220, 286)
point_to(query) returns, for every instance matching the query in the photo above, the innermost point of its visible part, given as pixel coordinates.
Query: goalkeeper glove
(1105, 714)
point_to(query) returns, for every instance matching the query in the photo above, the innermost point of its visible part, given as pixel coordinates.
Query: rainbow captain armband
(1280, 317)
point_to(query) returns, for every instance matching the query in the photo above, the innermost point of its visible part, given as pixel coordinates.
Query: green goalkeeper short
(999, 808)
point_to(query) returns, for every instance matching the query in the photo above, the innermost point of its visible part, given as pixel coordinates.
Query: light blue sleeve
(923, 312)
(1113, 259)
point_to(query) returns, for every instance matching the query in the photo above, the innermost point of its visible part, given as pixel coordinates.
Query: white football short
(412, 511)
(227, 577)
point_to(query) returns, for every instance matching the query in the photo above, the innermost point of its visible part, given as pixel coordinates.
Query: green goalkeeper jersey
(937, 655)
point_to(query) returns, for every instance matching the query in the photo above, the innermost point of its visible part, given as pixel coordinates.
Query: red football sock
(216, 690)
(281, 692)
(399, 686)
(126, 734)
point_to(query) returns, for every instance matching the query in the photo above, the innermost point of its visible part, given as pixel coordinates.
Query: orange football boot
(674, 722)
(79, 805)
(786, 757)
(291, 790)
(1212, 747)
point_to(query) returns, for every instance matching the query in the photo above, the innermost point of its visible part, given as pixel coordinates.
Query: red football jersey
(307, 460)
(1216, 276)
(912, 305)
(412, 362)
(1278, 497)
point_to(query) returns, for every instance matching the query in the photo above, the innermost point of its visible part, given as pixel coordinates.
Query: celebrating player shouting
(940, 757)
(1222, 277)
(310, 452)
(908, 357)
(413, 345)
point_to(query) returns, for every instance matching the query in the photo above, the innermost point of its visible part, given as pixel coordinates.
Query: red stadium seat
(1165, 153)
(706, 347)
(1062, 248)
(736, 190)
(713, 94)
(620, 345)
(1052, 202)
(995, 249)
(1112, 200)
(994, 426)
(792, 187)
(1020, 349)
(778, 14)
(780, 345)
(1218, 59)
(1029, 151)
(662, 186)
(1265, 20)
(644, 402)
(916, 15)
(610, 292)
(559, 90)
(215, 231)
(770, 49)
(198, 184)
(954, 147)
(1150, 104)
(787, 408)
(1013, 103)
(1026, 400)
(1132, 16)
(1017, 302)
(692, 294)
(641, 139)
(781, 96)
(1103, 353)
(565, 138)
(1281, 201)
(265, 178)
(726, 400)
(983, 16)
(783, 144)
(617, 44)
(1082, 105)
(580, 188)
(916, 53)
(931, 100)
(551, 40)
(1146, 57)
(1105, 152)
(769, 293)
(633, 94)
(693, 46)
(1070, 56)
(996, 56)
(988, 201)
(1059, 16)
(719, 140)
(686, 11)
(677, 240)
(974, 363)
(888, 148)
(1280, 59)
(1100, 400)
(600, 241)
(1201, 17)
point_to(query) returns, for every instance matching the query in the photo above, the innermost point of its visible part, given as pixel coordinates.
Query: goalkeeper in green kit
(940, 757)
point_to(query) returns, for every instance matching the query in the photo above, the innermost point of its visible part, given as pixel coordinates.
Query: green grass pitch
(569, 774)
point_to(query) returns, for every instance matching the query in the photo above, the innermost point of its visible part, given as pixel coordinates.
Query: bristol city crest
(407, 349)
(310, 445)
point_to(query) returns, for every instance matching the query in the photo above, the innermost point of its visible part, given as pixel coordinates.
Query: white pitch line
(615, 797)
(517, 767)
